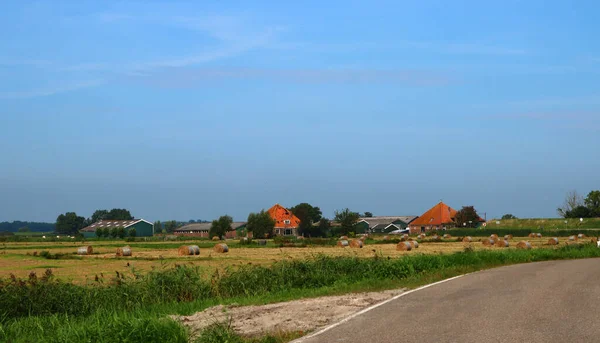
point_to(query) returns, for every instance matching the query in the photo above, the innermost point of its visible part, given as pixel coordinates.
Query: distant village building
(143, 228)
(439, 217)
(286, 223)
(383, 224)
(202, 229)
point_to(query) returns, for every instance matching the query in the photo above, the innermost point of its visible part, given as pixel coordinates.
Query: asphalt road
(556, 301)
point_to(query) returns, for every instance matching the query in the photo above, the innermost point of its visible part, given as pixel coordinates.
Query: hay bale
(221, 248)
(572, 238)
(508, 237)
(502, 244)
(124, 251)
(435, 238)
(553, 241)
(447, 236)
(404, 246)
(342, 243)
(356, 243)
(494, 237)
(581, 235)
(532, 235)
(87, 250)
(422, 236)
(186, 250)
(488, 242)
(362, 238)
(413, 244)
(467, 239)
(404, 238)
(524, 245)
(216, 238)
(343, 238)
(386, 238)
(539, 235)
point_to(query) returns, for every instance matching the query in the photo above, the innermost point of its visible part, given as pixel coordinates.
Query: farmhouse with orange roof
(438, 217)
(286, 223)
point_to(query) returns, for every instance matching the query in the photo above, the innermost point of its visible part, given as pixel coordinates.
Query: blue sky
(189, 110)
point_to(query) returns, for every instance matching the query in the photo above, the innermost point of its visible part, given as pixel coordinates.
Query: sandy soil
(293, 316)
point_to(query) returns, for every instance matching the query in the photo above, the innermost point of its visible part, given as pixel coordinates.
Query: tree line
(576, 206)
(23, 226)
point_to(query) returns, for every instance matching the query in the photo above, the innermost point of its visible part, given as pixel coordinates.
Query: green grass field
(545, 223)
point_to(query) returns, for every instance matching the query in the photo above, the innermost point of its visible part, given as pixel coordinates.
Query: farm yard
(20, 259)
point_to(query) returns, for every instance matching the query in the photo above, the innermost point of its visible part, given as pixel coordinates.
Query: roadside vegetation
(133, 307)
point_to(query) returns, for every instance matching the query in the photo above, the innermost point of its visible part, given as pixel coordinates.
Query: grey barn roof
(381, 220)
(109, 224)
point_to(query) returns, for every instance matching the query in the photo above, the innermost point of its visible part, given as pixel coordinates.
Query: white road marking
(327, 328)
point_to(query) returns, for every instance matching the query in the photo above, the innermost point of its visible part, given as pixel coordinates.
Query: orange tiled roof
(280, 214)
(438, 215)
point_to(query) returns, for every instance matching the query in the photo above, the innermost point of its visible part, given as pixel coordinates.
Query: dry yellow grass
(16, 261)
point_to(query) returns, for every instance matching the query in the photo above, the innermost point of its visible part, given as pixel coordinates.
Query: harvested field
(19, 259)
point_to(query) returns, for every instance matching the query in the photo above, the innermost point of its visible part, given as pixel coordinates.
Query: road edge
(370, 308)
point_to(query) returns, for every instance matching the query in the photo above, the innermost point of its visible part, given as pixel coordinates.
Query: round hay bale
(422, 236)
(572, 238)
(508, 237)
(524, 245)
(581, 235)
(362, 238)
(488, 242)
(342, 243)
(344, 238)
(539, 235)
(262, 242)
(221, 248)
(553, 241)
(356, 243)
(502, 244)
(436, 238)
(186, 250)
(124, 251)
(413, 244)
(216, 238)
(494, 237)
(467, 239)
(386, 238)
(447, 235)
(404, 238)
(532, 235)
(87, 250)
(404, 246)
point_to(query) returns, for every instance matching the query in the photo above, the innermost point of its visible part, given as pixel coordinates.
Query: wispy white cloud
(49, 90)
(191, 77)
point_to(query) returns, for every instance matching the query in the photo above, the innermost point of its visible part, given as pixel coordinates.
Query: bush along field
(134, 307)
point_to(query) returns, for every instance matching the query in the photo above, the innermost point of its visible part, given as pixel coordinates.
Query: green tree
(119, 214)
(572, 200)
(121, 232)
(324, 227)
(220, 226)
(24, 229)
(158, 227)
(592, 201)
(98, 216)
(260, 224)
(579, 212)
(508, 216)
(347, 219)
(69, 223)
(308, 216)
(132, 233)
(368, 214)
(114, 232)
(99, 232)
(170, 226)
(467, 217)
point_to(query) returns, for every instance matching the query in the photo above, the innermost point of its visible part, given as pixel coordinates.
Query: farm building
(202, 229)
(286, 223)
(143, 228)
(439, 217)
(383, 224)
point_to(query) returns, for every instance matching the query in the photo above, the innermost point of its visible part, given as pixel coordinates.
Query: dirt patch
(293, 316)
